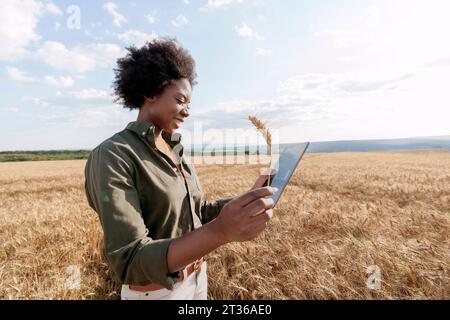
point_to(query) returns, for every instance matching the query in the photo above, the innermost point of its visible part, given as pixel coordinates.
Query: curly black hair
(146, 71)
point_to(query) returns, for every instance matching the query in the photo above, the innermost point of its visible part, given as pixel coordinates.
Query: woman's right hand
(246, 216)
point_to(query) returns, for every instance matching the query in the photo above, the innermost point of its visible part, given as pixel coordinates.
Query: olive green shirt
(144, 202)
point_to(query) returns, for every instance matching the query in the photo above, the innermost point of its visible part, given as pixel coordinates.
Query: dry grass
(340, 214)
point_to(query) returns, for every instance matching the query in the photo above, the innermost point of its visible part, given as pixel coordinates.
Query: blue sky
(315, 70)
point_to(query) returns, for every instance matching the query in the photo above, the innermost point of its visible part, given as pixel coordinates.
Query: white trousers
(194, 287)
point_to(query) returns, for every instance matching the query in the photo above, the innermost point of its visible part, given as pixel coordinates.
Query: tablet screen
(287, 162)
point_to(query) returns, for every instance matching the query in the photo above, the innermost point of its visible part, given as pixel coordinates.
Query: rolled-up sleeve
(211, 209)
(134, 257)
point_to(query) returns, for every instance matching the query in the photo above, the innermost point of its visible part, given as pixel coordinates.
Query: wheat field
(342, 216)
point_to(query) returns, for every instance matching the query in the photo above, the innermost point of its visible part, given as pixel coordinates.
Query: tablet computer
(284, 168)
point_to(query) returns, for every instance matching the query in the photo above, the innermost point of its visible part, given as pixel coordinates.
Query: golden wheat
(340, 214)
(264, 130)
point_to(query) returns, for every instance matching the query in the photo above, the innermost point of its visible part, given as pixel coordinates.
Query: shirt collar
(145, 130)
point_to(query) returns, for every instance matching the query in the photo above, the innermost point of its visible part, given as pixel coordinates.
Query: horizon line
(187, 146)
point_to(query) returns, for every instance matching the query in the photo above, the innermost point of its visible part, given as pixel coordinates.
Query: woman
(157, 226)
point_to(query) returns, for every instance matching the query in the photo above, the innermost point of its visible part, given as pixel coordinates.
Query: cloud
(179, 21)
(186, 1)
(89, 94)
(36, 102)
(136, 37)
(19, 76)
(78, 59)
(61, 102)
(13, 109)
(58, 56)
(439, 62)
(263, 52)
(326, 89)
(217, 4)
(87, 108)
(387, 35)
(69, 108)
(71, 99)
(18, 20)
(53, 9)
(151, 19)
(105, 54)
(306, 99)
(59, 81)
(100, 116)
(370, 85)
(382, 106)
(111, 8)
(245, 31)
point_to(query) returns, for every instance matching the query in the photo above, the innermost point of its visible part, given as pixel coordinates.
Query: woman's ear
(150, 99)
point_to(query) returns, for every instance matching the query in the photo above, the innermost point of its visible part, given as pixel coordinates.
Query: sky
(313, 70)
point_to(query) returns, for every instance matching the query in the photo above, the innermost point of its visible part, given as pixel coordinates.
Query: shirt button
(143, 133)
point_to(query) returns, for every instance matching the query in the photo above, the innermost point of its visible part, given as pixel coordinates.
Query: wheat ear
(262, 128)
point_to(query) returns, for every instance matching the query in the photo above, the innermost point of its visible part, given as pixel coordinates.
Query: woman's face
(169, 109)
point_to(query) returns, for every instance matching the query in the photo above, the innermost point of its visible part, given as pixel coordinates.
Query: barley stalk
(262, 128)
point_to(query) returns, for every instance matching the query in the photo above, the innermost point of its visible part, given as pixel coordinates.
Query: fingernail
(274, 189)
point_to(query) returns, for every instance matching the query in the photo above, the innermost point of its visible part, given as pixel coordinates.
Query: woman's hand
(246, 216)
(241, 219)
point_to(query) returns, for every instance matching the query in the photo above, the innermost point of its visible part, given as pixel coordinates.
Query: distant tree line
(11, 156)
